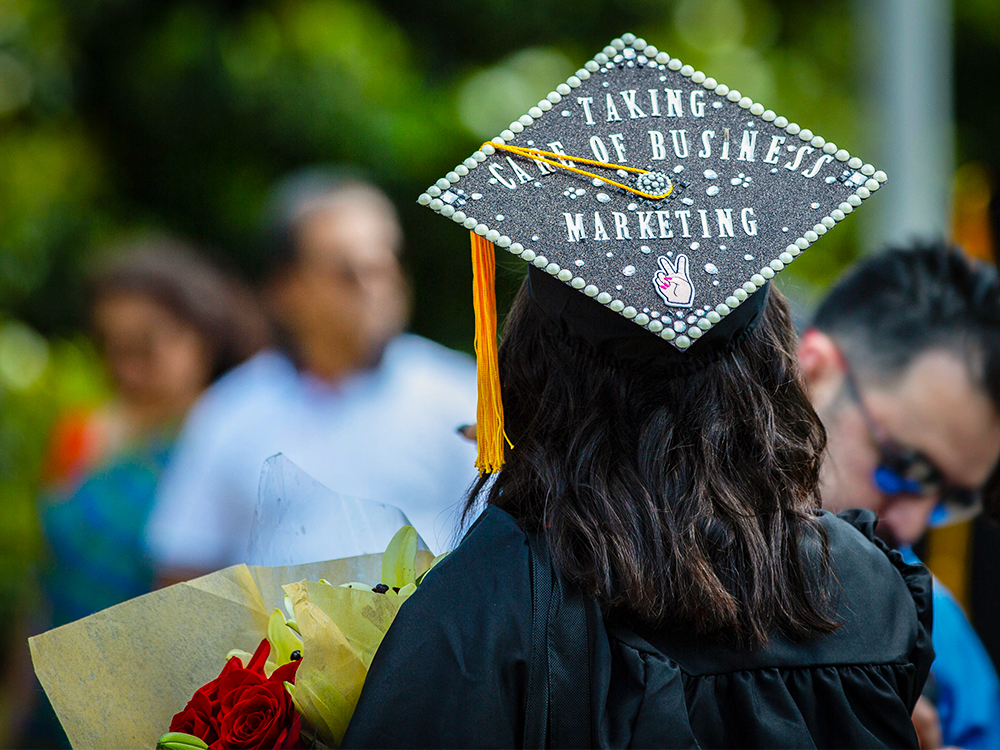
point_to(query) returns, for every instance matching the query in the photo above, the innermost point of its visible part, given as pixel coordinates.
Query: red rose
(242, 708)
(263, 718)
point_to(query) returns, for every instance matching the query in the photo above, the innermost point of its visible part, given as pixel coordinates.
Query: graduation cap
(643, 187)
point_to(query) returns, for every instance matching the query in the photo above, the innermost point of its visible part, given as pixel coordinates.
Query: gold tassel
(490, 435)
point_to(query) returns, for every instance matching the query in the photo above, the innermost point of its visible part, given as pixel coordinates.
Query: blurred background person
(168, 324)
(903, 367)
(367, 410)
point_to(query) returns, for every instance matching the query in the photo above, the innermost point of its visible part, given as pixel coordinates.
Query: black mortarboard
(654, 190)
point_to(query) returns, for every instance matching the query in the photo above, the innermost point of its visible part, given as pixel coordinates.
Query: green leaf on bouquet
(283, 639)
(399, 560)
(180, 741)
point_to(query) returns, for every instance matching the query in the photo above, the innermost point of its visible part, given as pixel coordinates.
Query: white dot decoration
(617, 305)
(590, 290)
(855, 163)
(757, 109)
(630, 312)
(604, 298)
(578, 283)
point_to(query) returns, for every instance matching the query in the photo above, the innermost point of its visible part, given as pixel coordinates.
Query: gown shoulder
(456, 654)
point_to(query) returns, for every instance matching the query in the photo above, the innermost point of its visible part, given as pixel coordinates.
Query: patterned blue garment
(968, 691)
(97, 557)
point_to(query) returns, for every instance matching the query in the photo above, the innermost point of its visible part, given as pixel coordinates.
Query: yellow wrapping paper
(116, 678)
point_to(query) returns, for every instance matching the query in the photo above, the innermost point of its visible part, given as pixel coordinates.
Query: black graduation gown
(453, 669)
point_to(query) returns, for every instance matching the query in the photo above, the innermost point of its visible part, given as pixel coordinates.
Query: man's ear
(822, 366)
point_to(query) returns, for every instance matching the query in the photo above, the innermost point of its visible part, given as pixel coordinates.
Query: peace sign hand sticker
(673, 283)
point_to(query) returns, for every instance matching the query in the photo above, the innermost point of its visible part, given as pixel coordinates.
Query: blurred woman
(168, 324)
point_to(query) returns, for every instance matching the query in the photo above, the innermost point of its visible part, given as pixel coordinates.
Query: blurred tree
(122, 115)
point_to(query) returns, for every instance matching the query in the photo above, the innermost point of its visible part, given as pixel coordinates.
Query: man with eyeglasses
(903, 366)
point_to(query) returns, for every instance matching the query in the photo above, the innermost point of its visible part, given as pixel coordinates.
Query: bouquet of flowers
(116, 678)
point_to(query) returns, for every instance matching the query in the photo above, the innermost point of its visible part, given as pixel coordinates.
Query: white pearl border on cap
(661, 60)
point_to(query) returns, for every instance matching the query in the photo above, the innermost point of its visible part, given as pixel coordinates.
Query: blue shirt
(386, 435)
(968, 699)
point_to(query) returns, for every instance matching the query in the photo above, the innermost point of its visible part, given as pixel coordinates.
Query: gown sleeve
(452, 669)
(919, 582)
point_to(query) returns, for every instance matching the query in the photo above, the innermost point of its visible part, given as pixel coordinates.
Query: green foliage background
(119, 116)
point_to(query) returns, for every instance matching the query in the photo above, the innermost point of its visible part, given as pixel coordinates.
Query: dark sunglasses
(907, 472)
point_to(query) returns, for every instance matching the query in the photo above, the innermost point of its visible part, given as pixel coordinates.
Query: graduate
(652, 567)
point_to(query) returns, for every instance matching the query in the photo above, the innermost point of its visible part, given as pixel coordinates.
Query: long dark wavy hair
(685, 503)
